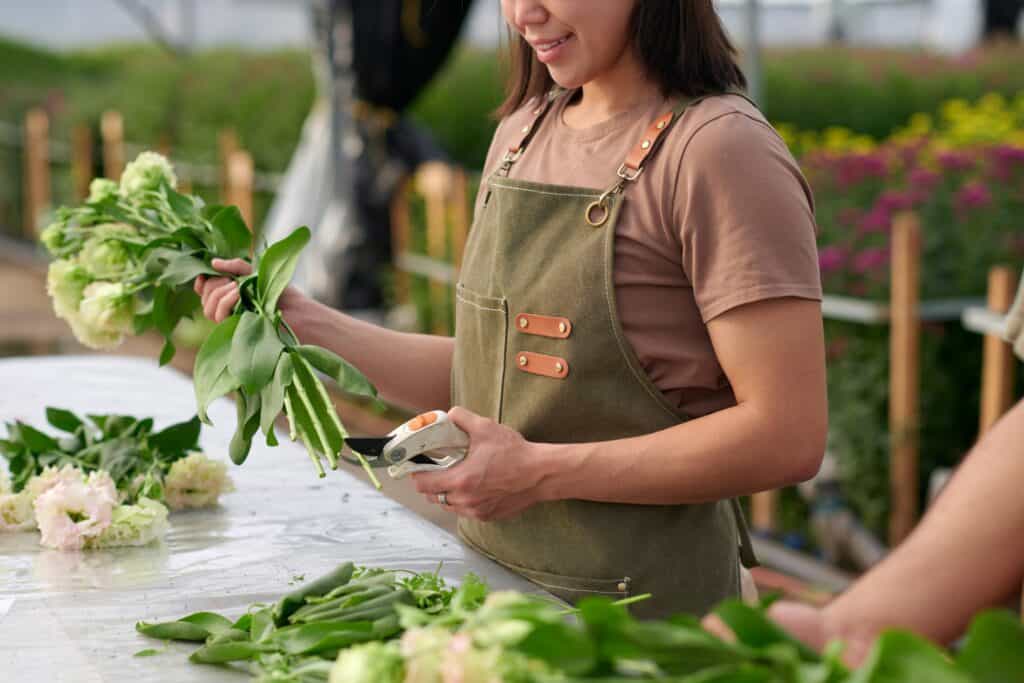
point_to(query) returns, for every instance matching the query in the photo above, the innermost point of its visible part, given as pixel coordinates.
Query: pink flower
(924, 178)
(973, 195)
(870, 259)
(876, 220)
(955, 161)
(832, 258)
(71, 512)
(892, 200)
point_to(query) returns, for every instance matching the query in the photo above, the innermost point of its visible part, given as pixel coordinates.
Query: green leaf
(231, 237)
(277, 265)
(349, 379)
(232, 651)
(993, 650)
(148, 652)
(182, 205)
(262, 624)
(64, 420)
(248, 410)
(173, 630)
(272, 396)
(255, 349)
(214, 623)
(167, 352)
(754, 629)
(184, 268)
(899, 656)
(211, 375)
(322, 635)
(183, 436)
(36, 440)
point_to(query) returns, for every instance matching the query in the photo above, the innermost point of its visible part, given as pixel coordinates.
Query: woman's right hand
(220, 294)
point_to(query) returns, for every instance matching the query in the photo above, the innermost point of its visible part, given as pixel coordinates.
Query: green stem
(289, 410)
(315, 419)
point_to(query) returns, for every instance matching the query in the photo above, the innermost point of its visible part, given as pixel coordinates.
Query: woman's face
(578, 40)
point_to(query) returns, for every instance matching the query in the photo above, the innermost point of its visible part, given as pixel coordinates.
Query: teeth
(551, 46)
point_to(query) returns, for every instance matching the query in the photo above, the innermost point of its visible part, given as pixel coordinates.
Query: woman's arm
(411, 370)
(773, 354)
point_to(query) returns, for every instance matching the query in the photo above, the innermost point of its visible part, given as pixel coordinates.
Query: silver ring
(442, 498)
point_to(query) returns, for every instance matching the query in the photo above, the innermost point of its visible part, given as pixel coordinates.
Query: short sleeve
(1015, 322)
(745, 217)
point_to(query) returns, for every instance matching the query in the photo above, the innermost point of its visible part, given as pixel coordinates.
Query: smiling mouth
(551, 45)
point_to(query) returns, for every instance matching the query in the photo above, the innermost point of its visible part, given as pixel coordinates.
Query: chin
(564, 80)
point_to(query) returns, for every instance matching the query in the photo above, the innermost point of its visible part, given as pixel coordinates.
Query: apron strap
(526, 133)
(747, 556)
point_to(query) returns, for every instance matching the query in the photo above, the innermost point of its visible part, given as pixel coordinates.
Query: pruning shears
(426, 443)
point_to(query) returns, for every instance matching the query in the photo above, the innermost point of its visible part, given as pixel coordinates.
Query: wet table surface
(69, 616)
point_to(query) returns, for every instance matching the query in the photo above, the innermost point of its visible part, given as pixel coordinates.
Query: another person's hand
(220, 294)
(495, 481)
(812, 625)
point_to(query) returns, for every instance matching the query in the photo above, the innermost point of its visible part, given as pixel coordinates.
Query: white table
(69, 616)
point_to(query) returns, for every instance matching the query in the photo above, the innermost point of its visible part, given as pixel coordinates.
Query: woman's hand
(220, 294)
(499, 477)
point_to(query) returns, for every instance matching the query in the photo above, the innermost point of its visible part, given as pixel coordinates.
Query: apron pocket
(478, 365)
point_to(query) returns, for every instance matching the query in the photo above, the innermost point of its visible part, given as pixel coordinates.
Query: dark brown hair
(681, 43)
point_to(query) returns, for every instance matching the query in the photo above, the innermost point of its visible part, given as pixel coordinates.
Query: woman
(633, 349)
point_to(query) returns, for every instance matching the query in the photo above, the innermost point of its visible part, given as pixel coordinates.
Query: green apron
(539, 347)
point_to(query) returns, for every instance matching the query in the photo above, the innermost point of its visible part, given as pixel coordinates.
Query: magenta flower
(973, 195)
(877, 220)
(870, 260)
(924, 178)
(955, 161)
(892, 200)
(832, 258)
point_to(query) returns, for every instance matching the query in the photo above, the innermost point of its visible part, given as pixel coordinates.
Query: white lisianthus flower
(15, 508)
(50, 477)
(105, 316)
(369, 663)
(100, 189)
(130, 525)
(69, 514)
(52, 237)
(423, 649)
(65, 283)
(196, 481)
(103, 256)
(147, 172)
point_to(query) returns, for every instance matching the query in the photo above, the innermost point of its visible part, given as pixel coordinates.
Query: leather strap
(544, 325)
(639, 153)
(527, 131)
(542, 364)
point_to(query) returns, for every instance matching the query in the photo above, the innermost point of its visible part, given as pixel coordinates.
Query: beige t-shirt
(720, 217)
(1015, 322)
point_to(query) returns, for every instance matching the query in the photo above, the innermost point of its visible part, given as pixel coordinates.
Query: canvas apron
(540, 348)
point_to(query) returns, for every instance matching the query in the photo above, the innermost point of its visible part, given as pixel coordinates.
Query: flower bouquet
(124, 262)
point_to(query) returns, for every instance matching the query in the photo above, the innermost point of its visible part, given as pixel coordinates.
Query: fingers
(467, 420)
(714, 624)
(235, 266)
(198, 284)
(433, 483)
(215, 291)
(226, 305)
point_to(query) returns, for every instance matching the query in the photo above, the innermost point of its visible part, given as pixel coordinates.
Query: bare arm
(410, 370)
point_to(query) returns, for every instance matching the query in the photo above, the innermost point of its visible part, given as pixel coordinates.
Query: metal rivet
(562, 327)
(526, 129)
(645, 144)
(661, 124)
(522, 360)
(523, 322)
(622, 586)
(559, 367)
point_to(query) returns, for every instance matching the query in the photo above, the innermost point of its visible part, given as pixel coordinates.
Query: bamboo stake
(904, 375)
(434, 181)
(240, 176)
(401, 229)
(37, 170)
(998, 362)
(763, 507)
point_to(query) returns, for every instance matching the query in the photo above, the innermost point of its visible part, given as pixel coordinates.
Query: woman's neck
(617, 90)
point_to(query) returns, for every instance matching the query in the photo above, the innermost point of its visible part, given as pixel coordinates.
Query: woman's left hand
(497, 479)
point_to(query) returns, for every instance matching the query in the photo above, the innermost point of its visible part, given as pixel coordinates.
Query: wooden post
(434, 181)
(400, 239)
(238, 191)
(37, 170)
(112, 132)
(227, 144)
(763, 506)
(998, 362)
(81, 161)
(460, 215)
(904, 375)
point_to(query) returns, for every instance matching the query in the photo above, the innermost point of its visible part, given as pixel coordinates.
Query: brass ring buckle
(598, 204)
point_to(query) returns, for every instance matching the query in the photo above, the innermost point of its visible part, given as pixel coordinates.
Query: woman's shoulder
(509, 130)
(722, 125)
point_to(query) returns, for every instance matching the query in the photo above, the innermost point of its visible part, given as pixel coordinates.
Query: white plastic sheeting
(70, 616)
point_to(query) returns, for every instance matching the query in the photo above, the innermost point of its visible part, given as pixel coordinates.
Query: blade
(369, 446)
